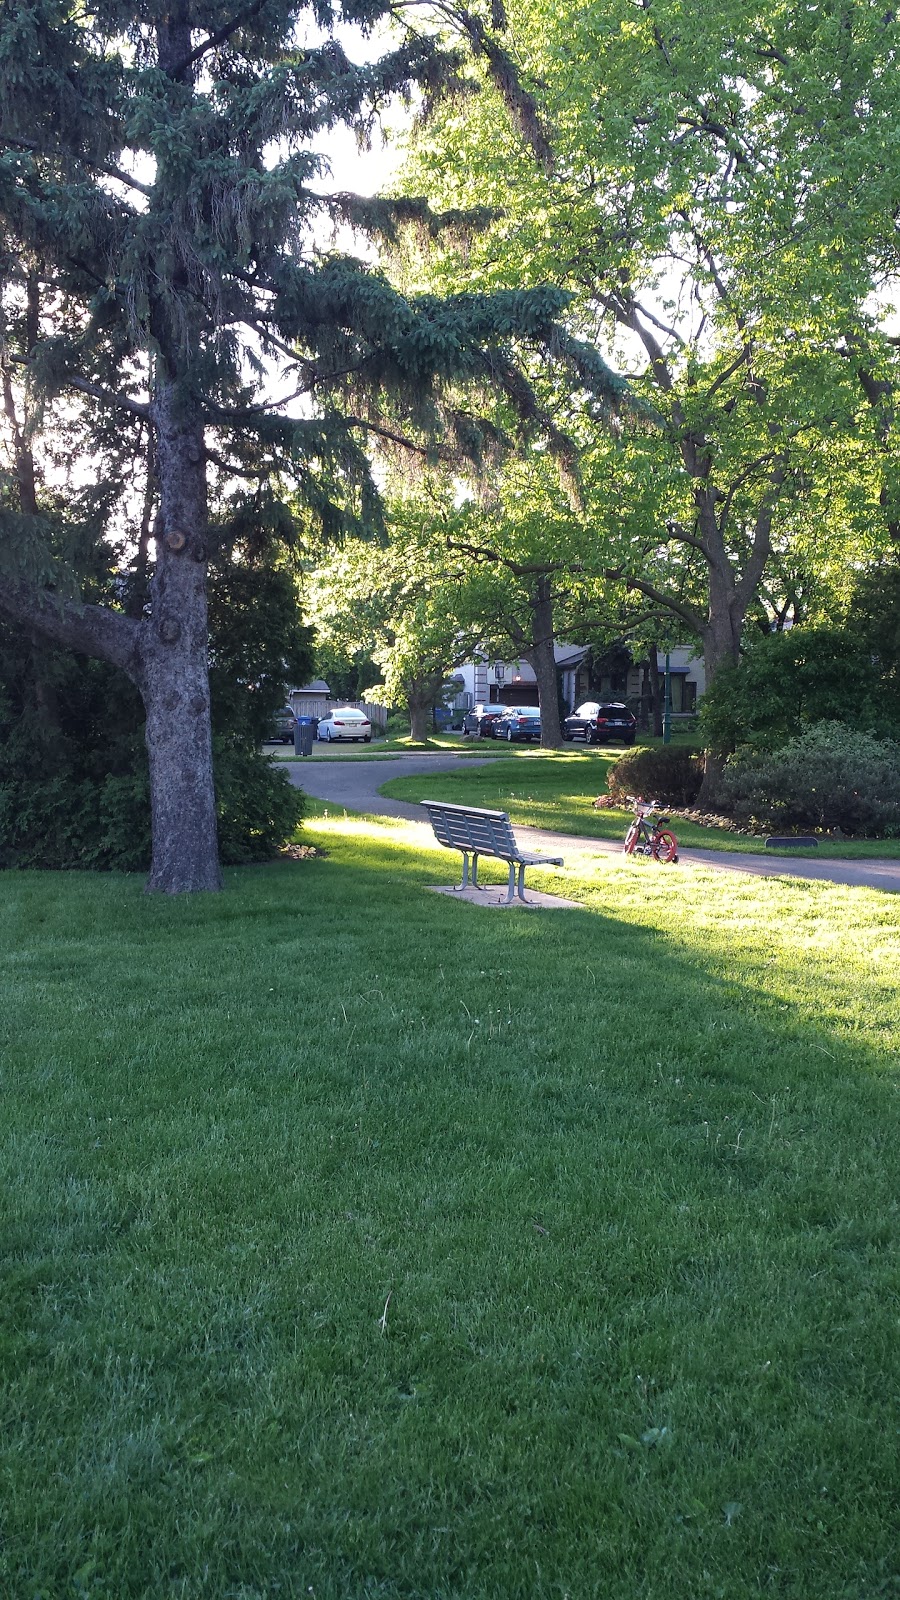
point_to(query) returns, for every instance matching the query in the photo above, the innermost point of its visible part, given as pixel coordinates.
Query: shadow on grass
(364, 1243)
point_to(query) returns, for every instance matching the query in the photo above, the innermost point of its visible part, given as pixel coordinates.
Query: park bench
(476, 832)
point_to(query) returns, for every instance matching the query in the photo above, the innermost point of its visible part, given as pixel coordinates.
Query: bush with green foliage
(74, 784)
(831, 777)
(826, 673)
(671, 773)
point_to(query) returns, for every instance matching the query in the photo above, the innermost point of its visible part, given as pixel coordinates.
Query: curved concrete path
(355, 785)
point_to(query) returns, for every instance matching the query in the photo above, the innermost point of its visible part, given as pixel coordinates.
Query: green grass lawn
(542, 789)
(379, 749)
(366, 1245)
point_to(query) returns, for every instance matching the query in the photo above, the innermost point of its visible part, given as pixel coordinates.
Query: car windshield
(616, 712)
(351, 716)
(589, 709)
(522, 711)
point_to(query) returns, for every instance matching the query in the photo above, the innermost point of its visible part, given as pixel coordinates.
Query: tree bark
(174, 677)
(419, 720)
(543, 661)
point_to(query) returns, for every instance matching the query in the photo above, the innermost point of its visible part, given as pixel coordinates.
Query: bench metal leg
(468, 880)
(516, 889)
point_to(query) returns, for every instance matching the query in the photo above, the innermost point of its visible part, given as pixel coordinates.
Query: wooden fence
(305, 705)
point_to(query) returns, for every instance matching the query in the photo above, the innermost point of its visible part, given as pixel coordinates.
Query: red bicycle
(648, 835)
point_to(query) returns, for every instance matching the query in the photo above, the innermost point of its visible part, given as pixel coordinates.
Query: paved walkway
(355, 785)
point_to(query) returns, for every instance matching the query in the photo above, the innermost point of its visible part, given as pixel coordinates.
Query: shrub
(103, 824)
(830, 777)
(671, 773)
(787, 682)
(258, 807)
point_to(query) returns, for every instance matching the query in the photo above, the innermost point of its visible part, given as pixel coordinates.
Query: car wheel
(589, 736)
(367, 739)
(509, 736)
(567, 736)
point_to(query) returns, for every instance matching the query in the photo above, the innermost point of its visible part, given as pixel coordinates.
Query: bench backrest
(470, 828)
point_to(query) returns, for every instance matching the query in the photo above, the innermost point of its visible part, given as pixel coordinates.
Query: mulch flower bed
(705, 819)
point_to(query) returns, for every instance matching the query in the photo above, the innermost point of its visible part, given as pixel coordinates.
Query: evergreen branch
(98, 391)
(212, 42)
(108, 171)
(505, 78)
(91, 630)
(397, 438)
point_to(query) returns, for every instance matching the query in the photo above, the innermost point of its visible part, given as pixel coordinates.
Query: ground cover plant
(542, 789)
(361, 1243)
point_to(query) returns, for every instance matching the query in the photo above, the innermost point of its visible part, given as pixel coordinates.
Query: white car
(345, 723)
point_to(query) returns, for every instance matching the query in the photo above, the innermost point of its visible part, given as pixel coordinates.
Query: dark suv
(282, 727)
(599, 724)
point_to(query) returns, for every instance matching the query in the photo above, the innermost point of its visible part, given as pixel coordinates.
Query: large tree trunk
(721, 648)
(419, 720)
(543, 661)
(174, 679)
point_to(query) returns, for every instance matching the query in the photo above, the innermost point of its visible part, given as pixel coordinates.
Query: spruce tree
(161, 181)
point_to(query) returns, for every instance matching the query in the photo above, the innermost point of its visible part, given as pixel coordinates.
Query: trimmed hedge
(670, 773)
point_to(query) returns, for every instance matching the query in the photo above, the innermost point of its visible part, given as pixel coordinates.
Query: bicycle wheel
(665, 846)
(631, 839)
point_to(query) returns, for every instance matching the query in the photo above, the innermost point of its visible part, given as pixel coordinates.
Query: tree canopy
(161, 180)
(718, 192)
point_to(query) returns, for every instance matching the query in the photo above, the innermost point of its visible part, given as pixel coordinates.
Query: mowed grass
(361, 1243)
(542, 789)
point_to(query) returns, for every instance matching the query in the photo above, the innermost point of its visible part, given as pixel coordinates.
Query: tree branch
(108, 171)
(90, 630)
(213, 41)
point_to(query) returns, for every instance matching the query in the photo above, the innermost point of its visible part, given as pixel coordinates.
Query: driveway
(355, 785)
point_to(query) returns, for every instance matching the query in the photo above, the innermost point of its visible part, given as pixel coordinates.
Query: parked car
(282, 727)
(517, 722)
(481, 718)
(598, 723)
(345, 722)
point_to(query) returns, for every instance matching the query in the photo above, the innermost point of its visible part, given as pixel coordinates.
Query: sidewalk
(355, 785)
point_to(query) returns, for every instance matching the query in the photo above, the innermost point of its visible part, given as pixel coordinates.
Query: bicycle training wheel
(665, 846)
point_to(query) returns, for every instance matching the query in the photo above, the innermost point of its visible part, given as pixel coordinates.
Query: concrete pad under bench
(495, 897)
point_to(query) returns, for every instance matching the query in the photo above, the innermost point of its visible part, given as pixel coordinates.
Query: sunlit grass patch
(555, 791)
(362, 1243)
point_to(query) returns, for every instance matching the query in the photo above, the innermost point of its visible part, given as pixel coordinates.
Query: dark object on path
(476, 832)
(797, 841)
